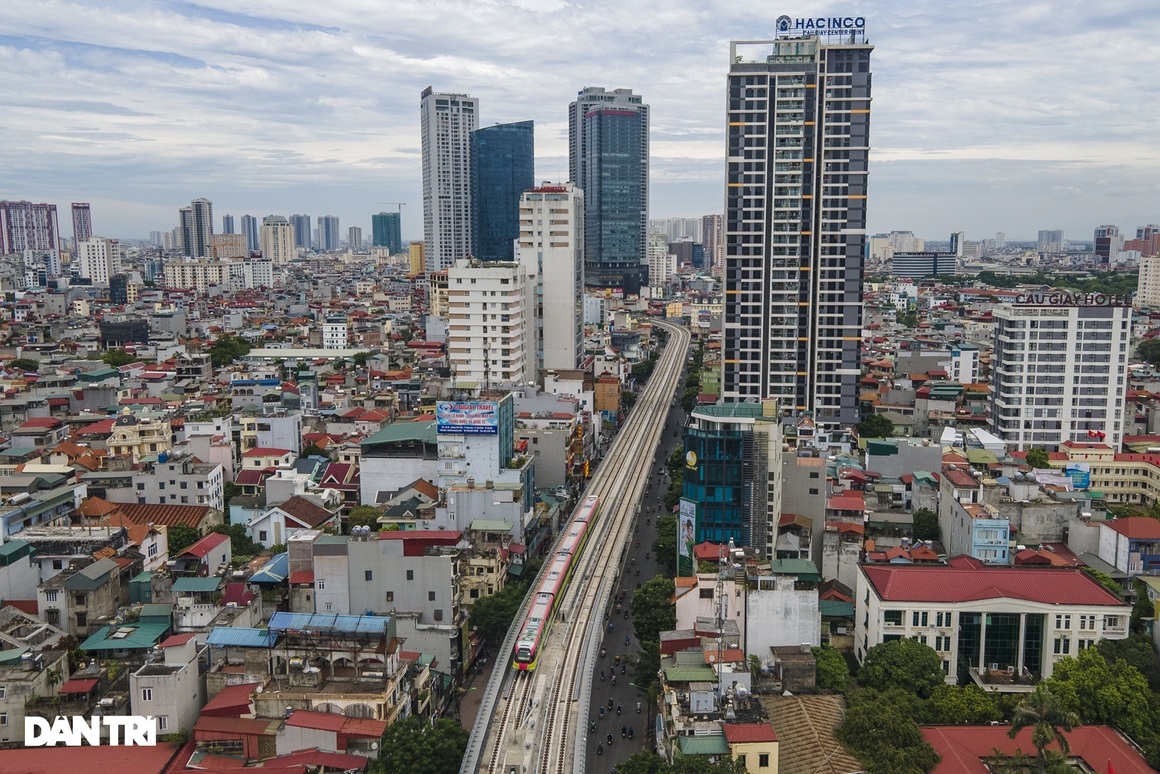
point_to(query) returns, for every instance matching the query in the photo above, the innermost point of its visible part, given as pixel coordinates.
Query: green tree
(665, 545)
(627, 399)
(907, 319)
(227, 349)
(833, 672)
(1138, 651)
(689, 398)
(1047, 718)
(115, 358)
(903, 663)
(363, 516)
(648, 664)
(360, 359)
(493, 615)
(240, 542)
(312, 450)
(1038, 459)
(1142, 608)
(648, 762)
(1105, 580)
(875, 426)
(652, 609)
(884, 735)
(926, 525)
(181, 537)
(230, 491)
(411, 746)
(1098, 692)
(25, 364)
(969, 704)
(1149, 351)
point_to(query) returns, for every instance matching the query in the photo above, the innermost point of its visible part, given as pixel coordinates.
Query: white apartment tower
(98, 259)
(1148, 285)
(551, 249)
(334, 332)
(1060, 364)
(277, 240)
(798, 123)
(662, 265)
(447, 123)
(490, 337)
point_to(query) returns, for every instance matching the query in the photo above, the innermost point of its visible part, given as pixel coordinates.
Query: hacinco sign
(820, 25)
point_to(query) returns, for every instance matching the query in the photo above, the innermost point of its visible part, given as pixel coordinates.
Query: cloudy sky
(988, 115)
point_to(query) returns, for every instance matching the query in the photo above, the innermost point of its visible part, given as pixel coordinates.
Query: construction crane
(400, 205)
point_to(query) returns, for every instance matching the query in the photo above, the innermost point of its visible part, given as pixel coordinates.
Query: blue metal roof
(274, 571)
(349, 624)
(228, 636)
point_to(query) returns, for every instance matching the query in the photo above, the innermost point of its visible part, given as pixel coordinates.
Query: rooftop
(963, 583)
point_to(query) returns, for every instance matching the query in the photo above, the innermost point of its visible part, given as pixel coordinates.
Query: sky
(987, 115)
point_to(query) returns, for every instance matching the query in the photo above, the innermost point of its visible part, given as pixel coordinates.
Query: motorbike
(600, 749)
(638, 708)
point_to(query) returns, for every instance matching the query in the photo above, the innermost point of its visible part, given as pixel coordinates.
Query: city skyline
(980, 126)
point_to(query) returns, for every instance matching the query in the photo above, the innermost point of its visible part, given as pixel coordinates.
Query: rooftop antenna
(721, 605)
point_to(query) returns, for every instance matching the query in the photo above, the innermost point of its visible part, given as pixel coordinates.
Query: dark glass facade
(613, 199)
(386, 231)
(502, 168)
(719, 484)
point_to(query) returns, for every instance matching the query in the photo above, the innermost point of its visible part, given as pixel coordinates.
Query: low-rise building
(168, 686)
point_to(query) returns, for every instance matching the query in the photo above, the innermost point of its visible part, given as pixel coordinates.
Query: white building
(334, 332)
(447, 121)
(170, 689)
(1012, 620)
(1148, 285)
(551, 246)
(964, 364)
(1060, 363)
(98, 259)
(490, 339)
(277, 240)
(180, 480)
(662, 265)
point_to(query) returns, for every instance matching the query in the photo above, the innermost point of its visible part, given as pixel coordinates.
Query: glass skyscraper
(386, 231)
(798, 138)
(608, 159)
(502, 168)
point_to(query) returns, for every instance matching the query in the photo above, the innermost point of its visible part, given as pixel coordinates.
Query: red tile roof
(201, 548)
(104, 759)
(40, 423)
(302, 576)
(961, 583)
(305, 512)
(169, 515)
(232, 701)
(323, 721)
(177, 639)
(746, 733)
(846, 503)
(267, 451)
(1137, 528)
(78, 686)
(962, 748)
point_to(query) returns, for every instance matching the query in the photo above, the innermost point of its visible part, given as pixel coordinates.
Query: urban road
(541, 721)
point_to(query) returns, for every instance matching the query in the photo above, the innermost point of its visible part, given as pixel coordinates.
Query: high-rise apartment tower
(447, 123)
(797, 132)
(82, 221)
(502, 168)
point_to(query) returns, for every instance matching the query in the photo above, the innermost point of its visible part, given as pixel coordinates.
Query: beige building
(1148, 286)
(488, 335)
(199, 275)
(138, 438)
(416, 256)
(277, 240)
(227, 246)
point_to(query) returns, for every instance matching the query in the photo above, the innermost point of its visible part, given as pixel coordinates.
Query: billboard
(686, 538)
(1080, 474)
(467, 418)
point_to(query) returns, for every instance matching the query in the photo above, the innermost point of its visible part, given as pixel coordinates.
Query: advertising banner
(467, 418)
(686, 538)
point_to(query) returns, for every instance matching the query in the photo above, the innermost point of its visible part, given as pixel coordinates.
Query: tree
(411, 746)
(1096, 692)
(313, 450)
(227, 349)
(493, 615)
(665, 545)
(1149, 351)
(689, 398)
(1038, 459)
(363, 516)
(969, 704)
(903, 663)
(627, 399)
(360, 359)
(1142, 608)
(884, 735)
(875, 426)
(648, 762)
(648, 664)
(1044, 714)
(833, 672)
(181, 537)
(240, 542)
(906, 319)
(926, 525)
(1138, 651)
(25, 364)
(115, 358)
(1105, 580)
(230, 491)
(652, 609)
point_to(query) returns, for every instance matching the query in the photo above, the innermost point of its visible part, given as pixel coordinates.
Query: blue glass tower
(502, 168)
(386, 231)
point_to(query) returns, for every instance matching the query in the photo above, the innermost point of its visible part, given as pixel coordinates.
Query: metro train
(553, 585)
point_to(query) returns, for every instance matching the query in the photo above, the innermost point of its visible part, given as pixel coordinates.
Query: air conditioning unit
(106, 702)
(994, 667)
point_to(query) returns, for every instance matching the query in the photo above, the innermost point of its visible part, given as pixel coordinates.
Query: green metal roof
(92, 577)
(714, 744)
(836, 608)
(881, 448)
(12, 657)
(804, 569)
(156, 610)
(981, 457)
(491, 525)
(136, 637)
(189, 585)
(13, 551)
(404, 431)
(690, 674)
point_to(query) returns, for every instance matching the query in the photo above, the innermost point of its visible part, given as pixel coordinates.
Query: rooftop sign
(1073, 299)
(822, 26)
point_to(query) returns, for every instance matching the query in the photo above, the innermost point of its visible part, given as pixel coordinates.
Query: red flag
(1110, 769)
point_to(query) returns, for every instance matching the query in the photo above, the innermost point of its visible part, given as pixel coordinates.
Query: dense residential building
(28, 226)
(999, 626)
(447, 123)
(1148, 284)
(733, 473)
(334, 332)
(82, 222)
(608, 159)
(798, 143)
(98, 259)
(195, 224)
(328, 233)
(302, 232)
(490, 336)
(386, 231)
(278, 240)
(712, 238)
(1059, 369)
(502, 168)
(250, 230)
(1049, 241)
(1107, 242)
(551, 248)
(354, 239)
(228, 246)
(923, 264)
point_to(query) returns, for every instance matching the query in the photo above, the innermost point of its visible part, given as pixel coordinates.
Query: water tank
(163, 457)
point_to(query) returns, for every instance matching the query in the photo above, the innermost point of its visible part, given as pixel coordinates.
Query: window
(741, 760)
(57, 564)
(410, 575)
(82, 620)
(329, 606)
(918, 619)
(162, 722)
(3, 718)
(1111, 622)
(1087, 623)
(438, 615)
(79, 600)
(320, 584)
(1062, 646)
(50, 596)
(430, 596)
(1062, 621)
(942, 619)
(763, 760)
(892, 617)
(390, 596)
(261, 536)
(146, 694)
(706, 593)
(152, 550)
(813, 490)
(368, 575)
(3, 691)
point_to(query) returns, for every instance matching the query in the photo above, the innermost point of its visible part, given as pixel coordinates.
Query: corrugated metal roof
(704, 745)
(229, 636)
(126, 637)
(273, 571)
(190, 584)
(349, 624)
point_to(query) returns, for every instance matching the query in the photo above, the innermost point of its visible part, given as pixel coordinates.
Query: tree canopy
(1149, 351)
(665, 544)
(648, 762)
(652, 609)
(180, 537)
(227, 349)
(1048, 719)
(24, 364)
(115, 358)
(1098, 692)
(926, 525)
(363, 516)
(832, 671)
(968, 704)
(876, 426)
(903, 663)
(880, 729)
(1038, 459)
(493, 614)
(411, 746)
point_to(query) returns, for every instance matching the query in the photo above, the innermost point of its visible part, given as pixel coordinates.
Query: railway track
(555, 744)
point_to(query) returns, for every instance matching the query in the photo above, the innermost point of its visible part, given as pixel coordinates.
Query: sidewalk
(473, 694)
